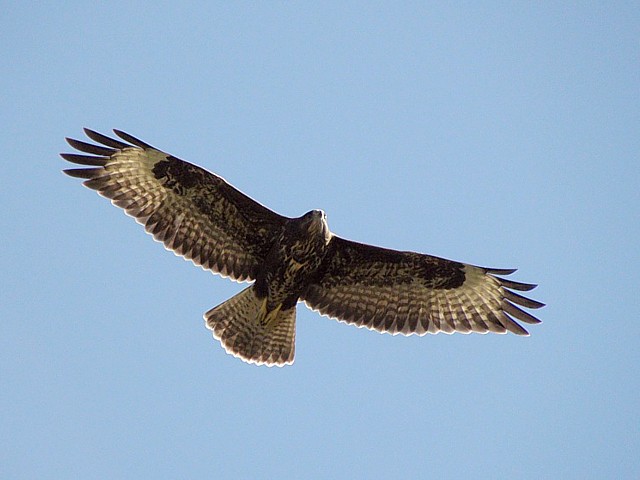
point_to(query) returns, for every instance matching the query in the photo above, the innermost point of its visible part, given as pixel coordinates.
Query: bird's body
(293, 260)
(200, 216)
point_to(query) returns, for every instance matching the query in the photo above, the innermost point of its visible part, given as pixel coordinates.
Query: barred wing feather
(411, 293)
(193, 212)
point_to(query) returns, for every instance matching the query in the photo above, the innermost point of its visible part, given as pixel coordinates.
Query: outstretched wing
(410, 293)
(193, 212)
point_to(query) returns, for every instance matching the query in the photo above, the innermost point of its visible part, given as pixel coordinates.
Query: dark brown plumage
(200, 216)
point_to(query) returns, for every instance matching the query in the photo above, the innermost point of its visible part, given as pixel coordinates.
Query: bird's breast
(290, 266)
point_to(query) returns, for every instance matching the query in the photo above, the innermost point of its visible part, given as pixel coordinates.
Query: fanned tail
(237, 324)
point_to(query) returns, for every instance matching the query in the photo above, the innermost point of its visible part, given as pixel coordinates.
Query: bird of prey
(201, 217)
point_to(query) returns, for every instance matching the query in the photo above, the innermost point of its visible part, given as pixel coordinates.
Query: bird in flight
(201, 217)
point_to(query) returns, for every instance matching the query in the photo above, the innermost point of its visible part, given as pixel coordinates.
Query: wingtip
(90, 147)
(122, 135)
(517, 313)
(84, 173)
(133, 140)
(513, 285)
(501, 271)
(74, 172)
(87, 160)
(521, 300)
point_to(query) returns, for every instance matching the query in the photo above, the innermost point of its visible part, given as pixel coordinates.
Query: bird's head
(315, 223)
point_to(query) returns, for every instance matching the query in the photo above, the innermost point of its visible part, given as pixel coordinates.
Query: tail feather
(236, 323)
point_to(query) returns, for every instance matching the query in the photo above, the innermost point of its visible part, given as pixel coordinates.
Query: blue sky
(504, 134)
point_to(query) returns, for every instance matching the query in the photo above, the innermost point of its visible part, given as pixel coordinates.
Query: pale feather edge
(418, 334)
(257, 363)
(140, 222)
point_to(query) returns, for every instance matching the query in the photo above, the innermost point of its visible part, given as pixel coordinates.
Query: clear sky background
(504, 135)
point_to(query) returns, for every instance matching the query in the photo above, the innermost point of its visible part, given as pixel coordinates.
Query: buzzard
(203, 218)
